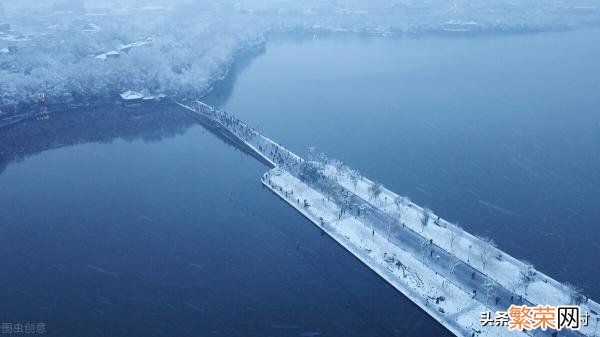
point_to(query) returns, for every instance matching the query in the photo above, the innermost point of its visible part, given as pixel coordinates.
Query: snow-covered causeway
(450, 274)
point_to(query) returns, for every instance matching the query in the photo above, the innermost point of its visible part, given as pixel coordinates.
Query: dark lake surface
(137, 222)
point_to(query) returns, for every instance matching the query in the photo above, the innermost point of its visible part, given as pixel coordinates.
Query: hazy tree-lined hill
(73, 50)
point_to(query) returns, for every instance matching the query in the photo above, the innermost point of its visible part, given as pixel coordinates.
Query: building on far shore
(108, 55)
(132, 98)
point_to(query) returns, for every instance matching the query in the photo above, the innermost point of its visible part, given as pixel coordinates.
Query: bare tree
(455, 232)
(375, 190)
(575, 295)
(322, 158)
(488, 287)
(486, 248)
(425, 215)
(339, 166)
(400, 202)
(485, 256)
(425, 246)
(310, 171)
(312, 153)
(354, 177)
(527, 276)
(330, 186)
(391, 224)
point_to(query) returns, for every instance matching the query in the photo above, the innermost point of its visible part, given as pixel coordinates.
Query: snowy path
(422, 259)
(499, 266)
(422, 285)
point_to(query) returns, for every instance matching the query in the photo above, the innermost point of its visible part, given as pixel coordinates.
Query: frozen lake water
(169, 232)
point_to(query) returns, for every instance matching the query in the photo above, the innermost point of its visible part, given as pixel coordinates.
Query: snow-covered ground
(542, 290)
(196, 42)
(422, 279)
(407, 273)
(123, 48)
(503, 268)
